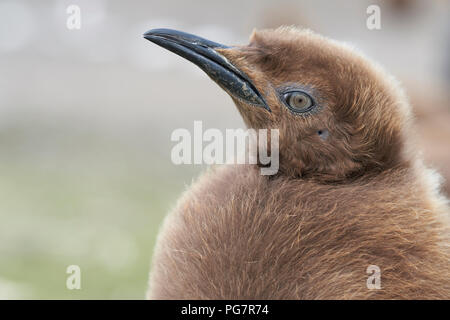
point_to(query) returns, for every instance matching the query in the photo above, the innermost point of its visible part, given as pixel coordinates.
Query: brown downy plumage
(356, 196)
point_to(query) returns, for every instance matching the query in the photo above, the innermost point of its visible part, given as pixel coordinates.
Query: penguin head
(339, 115)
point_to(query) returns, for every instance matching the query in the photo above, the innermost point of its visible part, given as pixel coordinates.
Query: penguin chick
(350, 192)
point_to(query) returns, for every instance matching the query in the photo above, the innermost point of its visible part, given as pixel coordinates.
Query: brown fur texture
(360, 197)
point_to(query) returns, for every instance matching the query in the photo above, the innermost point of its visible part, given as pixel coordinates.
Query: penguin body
(358, 197)
(263, 237)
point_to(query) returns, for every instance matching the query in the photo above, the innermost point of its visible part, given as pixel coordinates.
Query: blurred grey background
(86, 117)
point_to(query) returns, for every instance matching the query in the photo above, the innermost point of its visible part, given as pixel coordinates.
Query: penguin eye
(298, 101)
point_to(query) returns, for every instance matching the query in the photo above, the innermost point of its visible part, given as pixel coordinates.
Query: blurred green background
(86, 117)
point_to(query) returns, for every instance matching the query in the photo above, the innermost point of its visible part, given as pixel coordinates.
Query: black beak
(203, 53)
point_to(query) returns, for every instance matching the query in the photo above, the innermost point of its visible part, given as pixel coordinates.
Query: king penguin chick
(351, 191)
